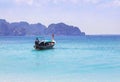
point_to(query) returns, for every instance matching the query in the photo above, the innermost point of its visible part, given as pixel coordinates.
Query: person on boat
(37, 41)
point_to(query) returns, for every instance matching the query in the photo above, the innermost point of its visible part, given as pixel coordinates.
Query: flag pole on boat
(53, 37)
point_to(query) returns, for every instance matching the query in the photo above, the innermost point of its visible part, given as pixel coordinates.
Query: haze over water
(73, 59)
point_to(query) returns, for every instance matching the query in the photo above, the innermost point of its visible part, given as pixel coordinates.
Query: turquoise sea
(73, 59)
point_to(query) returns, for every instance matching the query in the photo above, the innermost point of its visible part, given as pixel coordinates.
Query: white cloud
(76, 1)
(112, 3)
(116, 3)
(28, 2)
(91, 1)
(103, 3)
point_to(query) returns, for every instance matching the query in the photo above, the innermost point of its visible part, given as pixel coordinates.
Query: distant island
(26, 29)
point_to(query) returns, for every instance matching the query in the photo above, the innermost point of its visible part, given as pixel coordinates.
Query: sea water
(73, 59)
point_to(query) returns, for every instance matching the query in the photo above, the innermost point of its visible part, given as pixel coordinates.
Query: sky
(91, 16)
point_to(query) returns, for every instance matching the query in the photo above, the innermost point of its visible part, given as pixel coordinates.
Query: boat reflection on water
(44, 44)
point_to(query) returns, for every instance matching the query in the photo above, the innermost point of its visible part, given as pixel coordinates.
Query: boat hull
(45, 45)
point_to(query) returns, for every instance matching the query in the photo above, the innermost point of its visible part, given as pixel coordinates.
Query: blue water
(73, 59)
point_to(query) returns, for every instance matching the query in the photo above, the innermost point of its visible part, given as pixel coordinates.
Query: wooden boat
(44, 44)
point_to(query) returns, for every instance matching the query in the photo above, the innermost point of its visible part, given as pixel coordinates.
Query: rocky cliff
(26, 29)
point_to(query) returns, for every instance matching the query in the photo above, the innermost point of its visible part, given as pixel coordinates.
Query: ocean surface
(73, 59)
